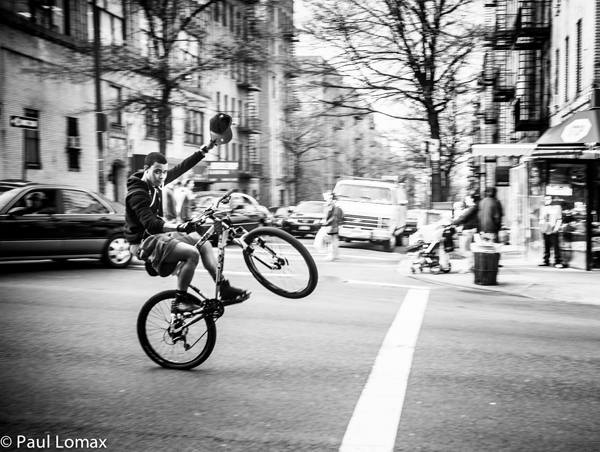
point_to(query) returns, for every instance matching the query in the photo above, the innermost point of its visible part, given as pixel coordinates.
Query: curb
(478, 288)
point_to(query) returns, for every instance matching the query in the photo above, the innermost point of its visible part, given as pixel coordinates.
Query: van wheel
(389, 245)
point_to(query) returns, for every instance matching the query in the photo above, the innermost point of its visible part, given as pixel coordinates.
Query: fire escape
(249, 116)
(531, 34)
(513, 79)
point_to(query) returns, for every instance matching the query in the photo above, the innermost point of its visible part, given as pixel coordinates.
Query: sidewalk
(519, 277)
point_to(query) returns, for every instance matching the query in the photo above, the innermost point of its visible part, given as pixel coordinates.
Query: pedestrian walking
(550, 222)
(469, 222)
(332, 218)
(490, 216)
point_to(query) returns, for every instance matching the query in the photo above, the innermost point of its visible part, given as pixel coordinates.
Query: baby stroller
(428, 254)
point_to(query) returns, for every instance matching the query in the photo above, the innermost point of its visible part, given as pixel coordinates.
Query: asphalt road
(489, 372)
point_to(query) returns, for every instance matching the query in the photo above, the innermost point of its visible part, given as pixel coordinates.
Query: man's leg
(546, 248)
(189, 256)
(228, 292)
(556, 246)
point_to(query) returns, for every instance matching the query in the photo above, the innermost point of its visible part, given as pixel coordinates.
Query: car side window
(37, 202)
(81, 203)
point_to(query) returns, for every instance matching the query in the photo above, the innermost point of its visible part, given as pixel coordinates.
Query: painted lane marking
(374, 423)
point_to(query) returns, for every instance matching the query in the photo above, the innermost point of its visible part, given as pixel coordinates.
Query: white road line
(375, 420)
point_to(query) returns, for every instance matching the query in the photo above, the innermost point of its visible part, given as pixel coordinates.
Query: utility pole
(100, 116)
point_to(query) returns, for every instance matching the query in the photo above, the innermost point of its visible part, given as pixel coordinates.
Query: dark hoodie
(143, 203)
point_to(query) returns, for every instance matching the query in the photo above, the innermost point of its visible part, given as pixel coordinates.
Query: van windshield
(364, 193)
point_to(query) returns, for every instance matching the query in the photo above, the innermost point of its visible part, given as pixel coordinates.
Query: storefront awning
(504, 150)
(582, 127)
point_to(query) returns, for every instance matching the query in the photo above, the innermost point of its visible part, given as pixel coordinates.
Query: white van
(374, 211)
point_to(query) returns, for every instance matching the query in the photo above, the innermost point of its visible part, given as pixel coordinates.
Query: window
(152, 125)
(36, 202)
(217, 12)
(556, 72)
(218, 101)
(225, 103)
(76, 202)
(233, 152)
(111, 22)
(224, 16)
(566, 69)
(32, 142)
(114, 96)
(579, 59)
(231, 18)
(194, 125)
(73, 143)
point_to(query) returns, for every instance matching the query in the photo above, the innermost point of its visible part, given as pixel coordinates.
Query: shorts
(154, 250)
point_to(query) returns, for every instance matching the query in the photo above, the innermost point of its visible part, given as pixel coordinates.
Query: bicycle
(276, 259)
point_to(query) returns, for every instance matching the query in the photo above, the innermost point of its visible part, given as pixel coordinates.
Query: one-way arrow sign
(24, 122)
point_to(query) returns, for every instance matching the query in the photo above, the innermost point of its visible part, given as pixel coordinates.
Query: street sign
(24, 122)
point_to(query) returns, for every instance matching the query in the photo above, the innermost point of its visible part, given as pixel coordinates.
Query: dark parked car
(305, 219)
(53, 221)
(243, 210)
(278, 214)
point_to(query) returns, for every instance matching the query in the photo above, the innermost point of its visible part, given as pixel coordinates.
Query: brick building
(63, 147)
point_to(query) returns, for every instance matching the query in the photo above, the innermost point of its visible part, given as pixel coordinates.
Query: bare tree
(410, 58)
(165, 54)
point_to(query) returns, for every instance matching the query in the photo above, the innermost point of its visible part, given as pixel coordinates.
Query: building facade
(65, 146)
(538, 118)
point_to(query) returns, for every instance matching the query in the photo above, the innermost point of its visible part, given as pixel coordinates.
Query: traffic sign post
(24, 122)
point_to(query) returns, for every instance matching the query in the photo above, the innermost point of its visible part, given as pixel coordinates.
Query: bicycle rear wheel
(187, 349)
(280, 262)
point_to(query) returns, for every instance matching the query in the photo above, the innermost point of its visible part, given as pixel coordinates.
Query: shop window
(31, 143)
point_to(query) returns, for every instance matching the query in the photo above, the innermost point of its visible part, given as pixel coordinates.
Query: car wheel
(116, 252)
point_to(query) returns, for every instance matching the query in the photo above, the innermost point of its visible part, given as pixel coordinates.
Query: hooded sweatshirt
(143, 203)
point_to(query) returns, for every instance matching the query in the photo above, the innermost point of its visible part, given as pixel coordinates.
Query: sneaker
(544, 264)
(464, 271)
(184, 304)
(230, 293)
(559, 266)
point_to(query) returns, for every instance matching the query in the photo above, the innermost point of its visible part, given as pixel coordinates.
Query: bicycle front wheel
(185, 349)
(280, 262)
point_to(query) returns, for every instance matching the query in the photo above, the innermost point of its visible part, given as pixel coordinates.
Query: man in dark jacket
(490, 216)
(167, 245)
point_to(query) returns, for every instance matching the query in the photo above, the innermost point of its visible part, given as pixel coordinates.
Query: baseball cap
(220, 128)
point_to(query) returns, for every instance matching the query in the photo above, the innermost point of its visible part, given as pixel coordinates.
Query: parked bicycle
(277, 260)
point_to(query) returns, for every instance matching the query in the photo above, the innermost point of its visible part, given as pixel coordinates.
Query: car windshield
(6, 195)
(364, 193)
(309, 207)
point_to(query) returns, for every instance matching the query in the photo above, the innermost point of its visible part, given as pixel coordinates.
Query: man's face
(548, 200)
(156, 173)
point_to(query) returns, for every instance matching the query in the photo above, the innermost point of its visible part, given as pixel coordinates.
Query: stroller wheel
(447, 269)
(412, 269)
(435, 269)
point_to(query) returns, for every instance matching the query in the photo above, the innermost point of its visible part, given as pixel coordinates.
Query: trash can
(485, 268)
